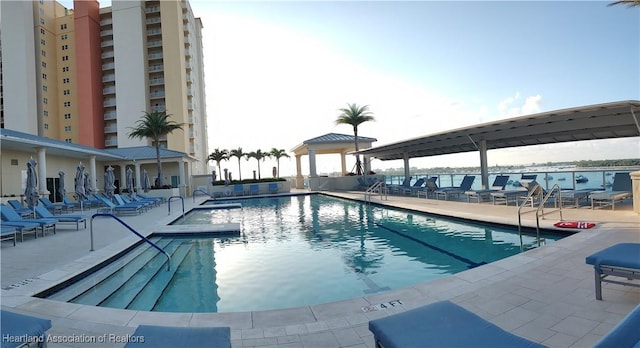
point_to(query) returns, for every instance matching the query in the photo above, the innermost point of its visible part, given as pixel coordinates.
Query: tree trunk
(159, 163)
(358, 164)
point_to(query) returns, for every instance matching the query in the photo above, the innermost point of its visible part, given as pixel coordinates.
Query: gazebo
(331, 143)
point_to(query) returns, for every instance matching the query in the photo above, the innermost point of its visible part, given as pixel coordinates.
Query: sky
(277, 72)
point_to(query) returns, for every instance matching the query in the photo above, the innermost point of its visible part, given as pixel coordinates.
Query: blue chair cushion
(18, 329)
(442, 324)
(167, 336)
(625, 255)
(625, 334)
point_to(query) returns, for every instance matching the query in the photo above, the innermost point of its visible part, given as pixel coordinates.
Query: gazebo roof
(332, 143)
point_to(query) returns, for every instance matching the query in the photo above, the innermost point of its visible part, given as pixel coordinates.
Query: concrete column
(407, 176)
(42, 171)
(123, 176)
(343, 163)
(367, 164)
(484, 168)
(136, 171)
(299, 177)
(181, 185)
(312, 164)
(635, 190)
(93, 175)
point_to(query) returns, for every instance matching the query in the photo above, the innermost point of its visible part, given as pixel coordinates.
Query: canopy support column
(484, 169)
(42, 171)
(407, 176)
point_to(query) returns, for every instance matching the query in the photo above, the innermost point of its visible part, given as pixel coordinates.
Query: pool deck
(546, 295)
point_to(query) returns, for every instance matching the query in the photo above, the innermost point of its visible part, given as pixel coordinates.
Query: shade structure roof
(600, 121)
(332, 143)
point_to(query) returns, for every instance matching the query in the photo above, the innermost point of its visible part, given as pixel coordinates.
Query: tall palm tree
(629, 3)
(355, 115)
(259, 156)
(153, 126)
(219, 156)
(239, 154)
(278, 153)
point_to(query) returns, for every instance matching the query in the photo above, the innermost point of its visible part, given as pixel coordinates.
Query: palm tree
(153, 126)
(239, 154)
(218, 156)
(629, 3)
(258, 155)
(278, 153)
(355, 115)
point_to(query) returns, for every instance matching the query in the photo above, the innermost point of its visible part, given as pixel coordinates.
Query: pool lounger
(8, 233)
(625, 333)
(21, 329)
(619, 260)
(441, 324)
(171, 336)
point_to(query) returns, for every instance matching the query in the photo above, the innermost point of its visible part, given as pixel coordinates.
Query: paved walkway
(545, 295)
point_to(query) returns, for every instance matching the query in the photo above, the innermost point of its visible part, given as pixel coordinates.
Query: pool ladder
(201, 191)
(169, 204)
(133, 231)
(379, 188)
(538, 192)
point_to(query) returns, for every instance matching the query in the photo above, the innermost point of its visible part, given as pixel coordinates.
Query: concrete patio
(545, 295)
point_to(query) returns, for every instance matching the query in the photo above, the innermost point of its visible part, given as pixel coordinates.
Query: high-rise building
(87, 75)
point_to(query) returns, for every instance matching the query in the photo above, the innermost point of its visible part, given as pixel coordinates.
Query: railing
(132, 230)
(555, 188)
(169, 204)
(380, 188)
(194, 195)
(537, 190)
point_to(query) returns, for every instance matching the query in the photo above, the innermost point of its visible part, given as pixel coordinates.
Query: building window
(44, 76)
(45, 100)
(42, 31)
(44, 64)
(65, 58)
(67, 116)
(46, 126)
(65, 80)
(63, 37)
(43, 53)
(65, 47)
(63, 26)
(43, 42)
(42, 21)
(68, 140)
(44, 88)
(65, 69)
(45, 113)
(67, 104)
(67, 128)
(66, 92)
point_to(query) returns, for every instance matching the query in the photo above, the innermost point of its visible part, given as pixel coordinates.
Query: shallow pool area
(293, 251)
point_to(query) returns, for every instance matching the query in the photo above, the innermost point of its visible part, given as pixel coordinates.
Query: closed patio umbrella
(109, 182)
(130, 181)
(31, 187)
(87, 184)
(78, 182)
(145, 181)
(61, 188)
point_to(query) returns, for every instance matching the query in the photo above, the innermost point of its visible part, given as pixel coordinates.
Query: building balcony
(106, 21)
(108, 66)
(108, 43)
(111, 142)
(154, 56)
(190, 106)
(109, 90)
(152, 9)
(110, 115)
(153, 20)
(108, 54)
(109, 103)
(154, 43)
(156, 95)
(157, 81)
(154, 31)
(108, 78)
(110, 129)
(108, 32)
(156, 68)
(159, 107)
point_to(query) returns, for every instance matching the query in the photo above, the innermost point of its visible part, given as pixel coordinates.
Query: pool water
(294, 251)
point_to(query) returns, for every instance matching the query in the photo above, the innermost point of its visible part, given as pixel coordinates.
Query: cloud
(513, 106)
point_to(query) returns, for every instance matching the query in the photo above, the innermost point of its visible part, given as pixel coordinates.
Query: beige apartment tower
(86, 75)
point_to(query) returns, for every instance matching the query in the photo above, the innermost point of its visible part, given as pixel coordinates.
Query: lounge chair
(254, 189)
(123, 201)
(25, 329)
(54, 208)
(10, 216)
(430, 188)
(238, 190)
(23, 228)
(625, 333)
(273, 187)
(167, 336)
(151, 202)
(573, 197)
(75, 205)
(619, 260)
(8, 233)
(465, 186)
(498, 185)
(76, 219)
(396, 188)
(20, 209)
(441, 324)
(620, 190)
(111, 208)
(526, 184)
(159, 199)
(418, 185)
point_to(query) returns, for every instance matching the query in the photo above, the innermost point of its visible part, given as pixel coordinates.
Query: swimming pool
(293, 251)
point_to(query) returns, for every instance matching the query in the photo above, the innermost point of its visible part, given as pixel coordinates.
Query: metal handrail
(193, 194)
(379, 187)
(132, 230)
(169, 204)
(544, 200)
(537, 190)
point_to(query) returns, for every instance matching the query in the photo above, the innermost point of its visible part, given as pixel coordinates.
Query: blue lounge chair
(465, 186)
(54, 208)
(76, 219)
(111, 208)
(23, 228)
(619, 260)
(573, 197)
(625, 334)
(75, 205)
(273, 187)
(166, 336)
(430, 188)
(526, 183)
(20, 209)
(238, 190)
(498, 185)
(8, 233)
(254, 189)
(22, 327)
(396, 188)
(442, 324)
(620, 190)
(124, 201)
(10, 216)
(418, 185)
